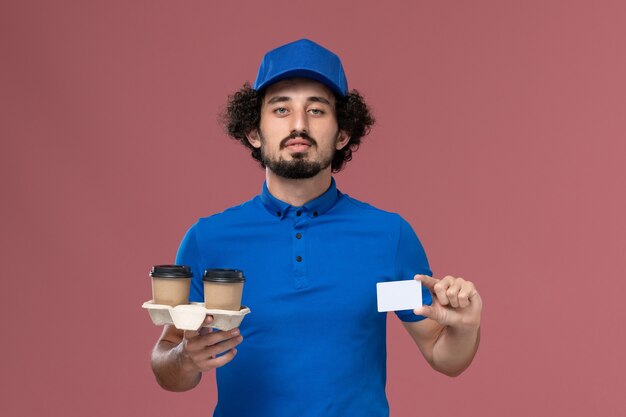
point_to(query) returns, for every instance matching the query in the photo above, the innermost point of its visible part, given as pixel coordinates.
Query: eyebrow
(315, 99)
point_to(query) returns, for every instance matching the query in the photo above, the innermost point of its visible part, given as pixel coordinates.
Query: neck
(298, 192)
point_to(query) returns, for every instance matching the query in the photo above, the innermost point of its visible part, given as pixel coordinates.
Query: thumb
(206, 326)
(428, 282)
(425, 311)
(202, 330)
(207, 320)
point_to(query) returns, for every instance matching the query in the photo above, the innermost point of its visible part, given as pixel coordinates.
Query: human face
(298, 133)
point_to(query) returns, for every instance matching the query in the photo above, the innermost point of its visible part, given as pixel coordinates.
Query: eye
(317, 112)
(280, 110)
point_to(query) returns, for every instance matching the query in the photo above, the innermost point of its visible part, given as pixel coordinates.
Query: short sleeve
(411, 260)
(189, 255)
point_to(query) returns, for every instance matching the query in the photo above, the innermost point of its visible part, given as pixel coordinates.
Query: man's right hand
(179, 358)
(200, 348)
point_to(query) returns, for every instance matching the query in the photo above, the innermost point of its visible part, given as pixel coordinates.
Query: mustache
(295, 135)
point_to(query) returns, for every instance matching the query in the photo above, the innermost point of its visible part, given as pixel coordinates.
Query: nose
(300, 121)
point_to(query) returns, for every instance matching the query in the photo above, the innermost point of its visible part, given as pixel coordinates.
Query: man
(314, 342)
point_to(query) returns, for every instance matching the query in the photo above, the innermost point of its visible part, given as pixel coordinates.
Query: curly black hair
(243, 115)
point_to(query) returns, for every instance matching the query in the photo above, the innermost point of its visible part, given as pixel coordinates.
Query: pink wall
(501, 138)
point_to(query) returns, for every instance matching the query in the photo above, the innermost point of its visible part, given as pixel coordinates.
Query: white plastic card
(399, 295)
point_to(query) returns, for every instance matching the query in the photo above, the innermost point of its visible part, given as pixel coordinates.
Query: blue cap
(306, 59)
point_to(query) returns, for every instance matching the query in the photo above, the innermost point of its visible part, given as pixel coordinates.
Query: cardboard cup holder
(190, 316)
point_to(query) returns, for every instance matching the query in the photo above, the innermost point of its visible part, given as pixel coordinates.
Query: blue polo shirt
(314, 343)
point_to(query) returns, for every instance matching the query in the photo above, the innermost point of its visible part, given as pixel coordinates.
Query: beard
(298, 168)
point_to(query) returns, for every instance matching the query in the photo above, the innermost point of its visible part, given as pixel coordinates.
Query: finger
(453, 292)
(207, 320)
(201, 356)
(218, 336)
(427, 281)
(222, 347)
(440, 315)
(188, 334)
(206, 328)
(222, 360)
(440, 289)
(466, 293)
(201, 343)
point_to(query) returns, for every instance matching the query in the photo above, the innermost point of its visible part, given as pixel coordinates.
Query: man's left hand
(456, 303)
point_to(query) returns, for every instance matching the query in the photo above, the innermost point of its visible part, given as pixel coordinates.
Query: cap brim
(302, 73)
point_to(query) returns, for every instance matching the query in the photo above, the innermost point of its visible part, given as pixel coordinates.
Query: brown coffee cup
(223, 289)
(171, 284)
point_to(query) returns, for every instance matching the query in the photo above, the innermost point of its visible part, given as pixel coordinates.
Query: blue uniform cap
(306, 59)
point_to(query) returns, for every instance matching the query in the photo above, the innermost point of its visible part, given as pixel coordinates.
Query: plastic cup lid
(171, 271)
(223, 275)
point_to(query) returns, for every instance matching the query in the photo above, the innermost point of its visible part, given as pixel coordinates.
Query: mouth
(298, 145)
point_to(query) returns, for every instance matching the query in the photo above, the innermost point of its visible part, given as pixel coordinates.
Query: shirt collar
(313, 208)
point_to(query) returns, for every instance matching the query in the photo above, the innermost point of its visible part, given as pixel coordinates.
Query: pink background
(500, 137)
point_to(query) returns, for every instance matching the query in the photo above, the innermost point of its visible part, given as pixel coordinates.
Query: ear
(253, 138)
(342, 139)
